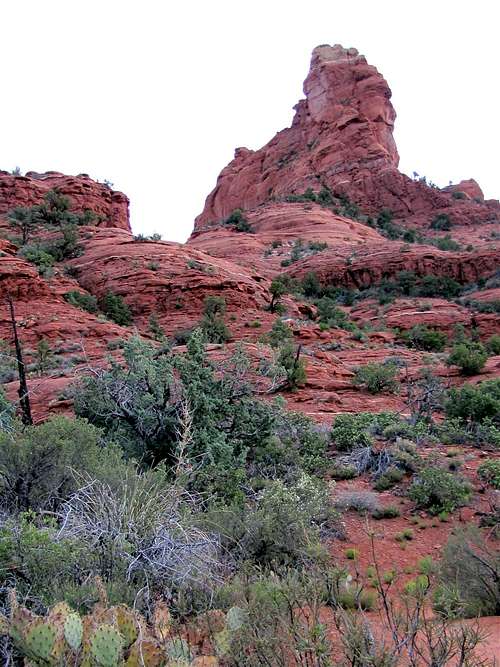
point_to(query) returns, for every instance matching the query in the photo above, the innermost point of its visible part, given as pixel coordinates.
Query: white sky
(155, 95)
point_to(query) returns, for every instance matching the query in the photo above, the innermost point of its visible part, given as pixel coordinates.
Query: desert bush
(469, 576)
(238, 221)
(281, 526)
(212, 324)
(493, 344)
(279, 287)
(474, 404)
(38, 464)
(291, 366)
(340, 471)
(489, 472)
(37, 255)
(422, 338)
(364, 502)
(116, 309)
(377, 378)
(387, 512)
(146, 525)
(437, 491)
(351, 431)
(469, 356)
(81, 300)
(280, 333)
(7, 413)
(441, 222)
(37, 562)
(388, 479)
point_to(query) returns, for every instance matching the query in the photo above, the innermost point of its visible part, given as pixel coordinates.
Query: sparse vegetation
(377, 378)
(115, 308)
(469, 356)
(439, 491)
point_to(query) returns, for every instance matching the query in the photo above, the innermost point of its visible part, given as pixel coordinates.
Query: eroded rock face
(109, 205)
(341, 137)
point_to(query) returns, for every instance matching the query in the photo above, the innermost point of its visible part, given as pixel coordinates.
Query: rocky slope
(340, 143)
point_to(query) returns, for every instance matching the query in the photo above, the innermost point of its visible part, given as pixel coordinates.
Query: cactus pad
(145, 653)
(39, 640)
(178, 649)
(106, 646)
(73, 631)
(235, 618)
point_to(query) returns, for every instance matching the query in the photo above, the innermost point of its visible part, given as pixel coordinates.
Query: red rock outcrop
(276, 226)
(166, 279)
(340, 137)
(372, 263)
(110, 206)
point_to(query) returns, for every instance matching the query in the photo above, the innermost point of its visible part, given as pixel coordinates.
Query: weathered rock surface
(111, 206)
(341, 137)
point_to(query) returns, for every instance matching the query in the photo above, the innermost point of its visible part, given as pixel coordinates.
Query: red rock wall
(84, 193)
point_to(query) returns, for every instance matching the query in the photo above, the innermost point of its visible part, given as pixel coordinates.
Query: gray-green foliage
(141, 402)
(469, 576)
(377, 378)
(38, 463)
(351, 431)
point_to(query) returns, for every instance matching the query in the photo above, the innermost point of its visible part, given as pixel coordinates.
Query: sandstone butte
(340, 141)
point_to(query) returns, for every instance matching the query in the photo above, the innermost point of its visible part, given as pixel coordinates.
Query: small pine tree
(116, 309)
(278, 289)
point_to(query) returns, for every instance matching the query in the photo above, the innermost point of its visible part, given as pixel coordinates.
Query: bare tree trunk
(24, 398)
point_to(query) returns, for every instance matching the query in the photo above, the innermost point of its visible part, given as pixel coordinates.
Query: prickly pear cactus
(39, 641)
(145, 653)
(235, 618)
(178, 650)
(73, 630)
(106, 646)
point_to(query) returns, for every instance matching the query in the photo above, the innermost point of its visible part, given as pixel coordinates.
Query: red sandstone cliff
(341, 137)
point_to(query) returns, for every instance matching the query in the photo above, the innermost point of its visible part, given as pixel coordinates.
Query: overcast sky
(155, 95)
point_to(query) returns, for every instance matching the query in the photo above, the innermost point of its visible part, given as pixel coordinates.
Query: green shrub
(388, 479)
(469, 576)
(474, 404)
(439, 491)
(279, 287)
(212, 324)
(489, 472)
(441, 222)
(377, 378)
(469, 356)
(457, 194)
(38, 465)
(493, 344)
(388, 512)
(344, 472)
(38, 563)
(38, 256)
(280, 528)
(238, 221)
(405, 535)
(445, 243)
(116, 309)
(350, 431)
(81, 300)
(422, 338)
(292, 365)
(352, 554)
(280, 333)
